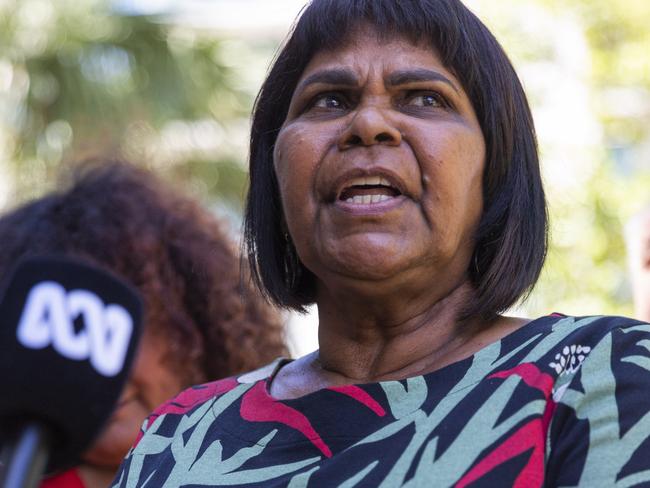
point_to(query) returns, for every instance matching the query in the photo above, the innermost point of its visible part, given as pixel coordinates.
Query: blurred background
(170, 85)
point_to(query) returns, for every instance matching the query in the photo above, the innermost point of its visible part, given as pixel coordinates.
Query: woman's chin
(371, 266)
(114, 442)
(370, 257)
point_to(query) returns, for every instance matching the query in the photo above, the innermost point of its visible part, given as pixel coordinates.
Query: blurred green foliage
(596, 177)
(78, 79)
(619, 80)
(81, 80)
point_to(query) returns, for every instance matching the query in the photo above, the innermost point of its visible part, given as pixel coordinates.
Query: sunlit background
(170, 84)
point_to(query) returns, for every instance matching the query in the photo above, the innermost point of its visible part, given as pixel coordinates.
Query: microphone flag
(68, 336)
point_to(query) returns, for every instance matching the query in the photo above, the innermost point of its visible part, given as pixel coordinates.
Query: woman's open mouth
(368, 190)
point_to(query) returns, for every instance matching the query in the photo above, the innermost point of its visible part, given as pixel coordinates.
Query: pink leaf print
(527, 437)
(361, 396)
(187, 399)
(198, 394)
(534, 378)
(532, 435)
(258, 406)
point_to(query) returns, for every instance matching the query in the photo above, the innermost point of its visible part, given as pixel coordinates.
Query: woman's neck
(366, 342)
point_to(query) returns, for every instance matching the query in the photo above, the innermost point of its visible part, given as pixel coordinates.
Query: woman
(197, 327)
(395, 183)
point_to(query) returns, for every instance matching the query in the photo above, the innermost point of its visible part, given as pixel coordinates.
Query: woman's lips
(370, 204)
(366, 186)
(366, 190)
(368, 194)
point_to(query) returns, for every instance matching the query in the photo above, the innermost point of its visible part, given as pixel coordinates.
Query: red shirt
(67, 479)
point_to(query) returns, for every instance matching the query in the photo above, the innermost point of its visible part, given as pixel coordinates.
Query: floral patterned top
(563, 401)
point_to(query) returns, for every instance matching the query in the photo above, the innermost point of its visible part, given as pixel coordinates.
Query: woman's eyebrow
(335, 76)
(414, 75)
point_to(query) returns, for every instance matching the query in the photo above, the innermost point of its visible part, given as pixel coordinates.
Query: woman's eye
(426, 100)
(328, 101)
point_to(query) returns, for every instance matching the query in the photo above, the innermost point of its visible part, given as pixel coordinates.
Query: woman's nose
(368, 127)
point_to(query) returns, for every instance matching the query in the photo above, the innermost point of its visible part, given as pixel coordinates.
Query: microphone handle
(25, 459)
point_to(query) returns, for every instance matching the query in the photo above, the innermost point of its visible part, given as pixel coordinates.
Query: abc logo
(48, 319)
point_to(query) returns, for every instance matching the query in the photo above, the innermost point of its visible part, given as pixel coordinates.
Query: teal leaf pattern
(508, 416)
(301, 480)
(358, 478)
(609, 451)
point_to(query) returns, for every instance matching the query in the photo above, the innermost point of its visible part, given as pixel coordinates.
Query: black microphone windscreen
(68, 335)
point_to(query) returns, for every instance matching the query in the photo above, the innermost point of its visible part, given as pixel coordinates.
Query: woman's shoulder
(587, 330)
(558, 344)
(601, 421)
(609, 341)
(587, 324)
(620, 336)
(196, 395)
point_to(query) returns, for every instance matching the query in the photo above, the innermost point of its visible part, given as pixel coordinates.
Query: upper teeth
(369, 180)
(367, 199)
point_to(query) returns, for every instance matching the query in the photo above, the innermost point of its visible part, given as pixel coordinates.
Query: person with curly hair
(202, 321)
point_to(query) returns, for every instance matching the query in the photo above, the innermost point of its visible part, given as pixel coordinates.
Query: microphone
(68, 336)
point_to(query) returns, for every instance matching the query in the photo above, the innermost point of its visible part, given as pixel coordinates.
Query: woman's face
(152, 382)
(380, 164)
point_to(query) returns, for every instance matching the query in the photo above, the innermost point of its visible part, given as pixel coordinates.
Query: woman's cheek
(284, 155)
(296, 158)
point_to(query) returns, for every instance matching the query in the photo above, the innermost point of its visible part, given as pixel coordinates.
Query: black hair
(511, 240)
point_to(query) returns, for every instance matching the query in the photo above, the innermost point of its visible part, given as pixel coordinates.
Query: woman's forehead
(364, 52)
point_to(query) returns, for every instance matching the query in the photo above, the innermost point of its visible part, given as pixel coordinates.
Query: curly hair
(178, 255)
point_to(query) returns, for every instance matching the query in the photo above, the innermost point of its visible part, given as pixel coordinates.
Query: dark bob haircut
(511, 240)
